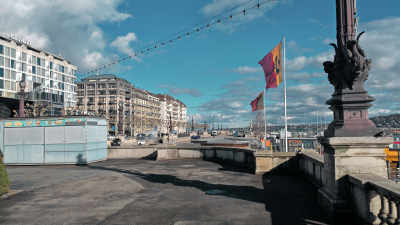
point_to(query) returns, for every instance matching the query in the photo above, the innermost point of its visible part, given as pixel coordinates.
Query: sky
(215, 72)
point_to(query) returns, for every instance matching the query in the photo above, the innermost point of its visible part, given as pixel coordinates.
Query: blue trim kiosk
(53, 140)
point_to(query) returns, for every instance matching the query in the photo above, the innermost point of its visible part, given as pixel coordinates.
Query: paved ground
(151, 192)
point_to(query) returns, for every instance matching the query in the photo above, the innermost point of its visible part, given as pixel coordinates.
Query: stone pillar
(349, 155)
(263, 161)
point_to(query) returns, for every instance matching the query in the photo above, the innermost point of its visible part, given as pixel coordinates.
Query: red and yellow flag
(258, 103)
(272, 67)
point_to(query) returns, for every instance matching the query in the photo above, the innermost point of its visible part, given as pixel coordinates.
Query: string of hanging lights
(177, 36)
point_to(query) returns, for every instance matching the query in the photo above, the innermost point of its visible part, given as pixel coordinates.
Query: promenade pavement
(158, 192)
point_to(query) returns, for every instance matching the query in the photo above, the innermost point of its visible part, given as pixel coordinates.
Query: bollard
(397, 175)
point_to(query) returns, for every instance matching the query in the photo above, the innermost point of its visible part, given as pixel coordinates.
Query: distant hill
(385, 121)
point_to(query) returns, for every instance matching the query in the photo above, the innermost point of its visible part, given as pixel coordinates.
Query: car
(141, 142)
(214, 133)
(195, 137)
(110, 137)
(140, 135)
(127, 136)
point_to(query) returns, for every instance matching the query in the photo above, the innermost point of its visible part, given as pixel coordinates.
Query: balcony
(128, 90)
(128, 96)
(112, 101)
(101, 102)
(80, 103)
(127, 103)
(91, 102)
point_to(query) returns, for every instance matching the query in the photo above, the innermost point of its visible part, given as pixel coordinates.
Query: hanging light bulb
(155, 47)
(219, 22)
(188, 34)
(244, 12)
(163, 44)
(142, 52)
(231, 17)
(124, 59)
(179, 38)
(135, 55)
(129, 56)
(274, 1)
(258, 6)
(104, 66)
(109, 65)
(170, 41)
(197, 30)
(148, 50)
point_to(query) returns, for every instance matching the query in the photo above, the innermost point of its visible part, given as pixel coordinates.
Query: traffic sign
(113, 127)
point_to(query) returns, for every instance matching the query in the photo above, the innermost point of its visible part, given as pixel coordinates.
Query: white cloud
(328, 41)
(245, 70)
(122, 43)
(194, 92)
(70, 28)
(301, 62)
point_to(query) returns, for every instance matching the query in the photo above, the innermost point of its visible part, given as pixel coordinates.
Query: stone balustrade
(312, 166)
(376, 199)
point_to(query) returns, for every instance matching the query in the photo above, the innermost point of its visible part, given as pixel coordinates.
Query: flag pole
(284, 81)
(265, 118)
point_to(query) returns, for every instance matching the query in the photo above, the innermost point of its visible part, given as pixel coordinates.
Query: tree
(34, 110)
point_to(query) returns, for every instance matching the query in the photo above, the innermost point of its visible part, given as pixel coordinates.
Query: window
(7, 63)
(7, 51)
(7, 74)
(38, 61)
(24, 56)
(34, 69)
(19, 75)
(43, 72)
(19, 55)
(13, 74)
(51, 65)
(1, 61)
(2, 84)
(1, 72)
(13, 88)
(18, 66)
(13, 64)
(13, 53)
(47, 64)
(29, 69)
(47, 73)
(34, 60)
(34, 78)
(55, 67)
(62, 69)
(51, 83)
(29, 77)
(43, 63)
(29, 57)
(23, 65)
(1, 49)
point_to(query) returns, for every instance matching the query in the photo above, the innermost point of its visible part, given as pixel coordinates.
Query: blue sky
(215, 72)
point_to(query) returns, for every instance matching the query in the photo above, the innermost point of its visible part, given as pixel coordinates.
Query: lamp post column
(22, 85)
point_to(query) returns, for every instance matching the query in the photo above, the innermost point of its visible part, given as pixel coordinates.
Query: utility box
(53, 140)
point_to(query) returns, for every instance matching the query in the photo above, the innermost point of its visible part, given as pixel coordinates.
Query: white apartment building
(43, 72)
(173, 107)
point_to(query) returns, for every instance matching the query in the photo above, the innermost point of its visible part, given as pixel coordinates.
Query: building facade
(174, 108)
(102, 94)
(147, 111)
(49, 78)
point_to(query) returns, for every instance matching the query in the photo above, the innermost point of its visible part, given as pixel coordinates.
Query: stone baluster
(391, 216)
(397, 220)
(384, 210)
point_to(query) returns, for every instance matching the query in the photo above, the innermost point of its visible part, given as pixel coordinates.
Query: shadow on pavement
(290, 199)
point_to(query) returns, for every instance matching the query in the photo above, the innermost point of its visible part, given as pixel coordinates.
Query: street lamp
(21, 93)
(120, 124)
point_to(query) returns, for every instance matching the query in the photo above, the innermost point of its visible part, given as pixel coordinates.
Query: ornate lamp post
(120, 124)
(192, 125)
(352, 143)
(170, 124)
(21, 93)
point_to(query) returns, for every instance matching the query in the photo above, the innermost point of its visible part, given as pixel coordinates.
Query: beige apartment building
(147, 111)
(102, 94)
(173, 107)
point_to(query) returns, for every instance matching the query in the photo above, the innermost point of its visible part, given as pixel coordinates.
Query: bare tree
(34, 110)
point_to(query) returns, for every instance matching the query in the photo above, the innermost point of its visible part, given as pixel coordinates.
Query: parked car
(110, 137)
(214, 133)
(140, 135)
(127, 136)
(195, 137)
(141, 142)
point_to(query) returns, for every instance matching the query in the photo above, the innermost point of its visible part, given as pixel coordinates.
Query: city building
(49, 77)
(147, 111)
(102, 94)
(173, 107)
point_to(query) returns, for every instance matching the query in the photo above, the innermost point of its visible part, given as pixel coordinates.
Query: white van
(214, 133)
